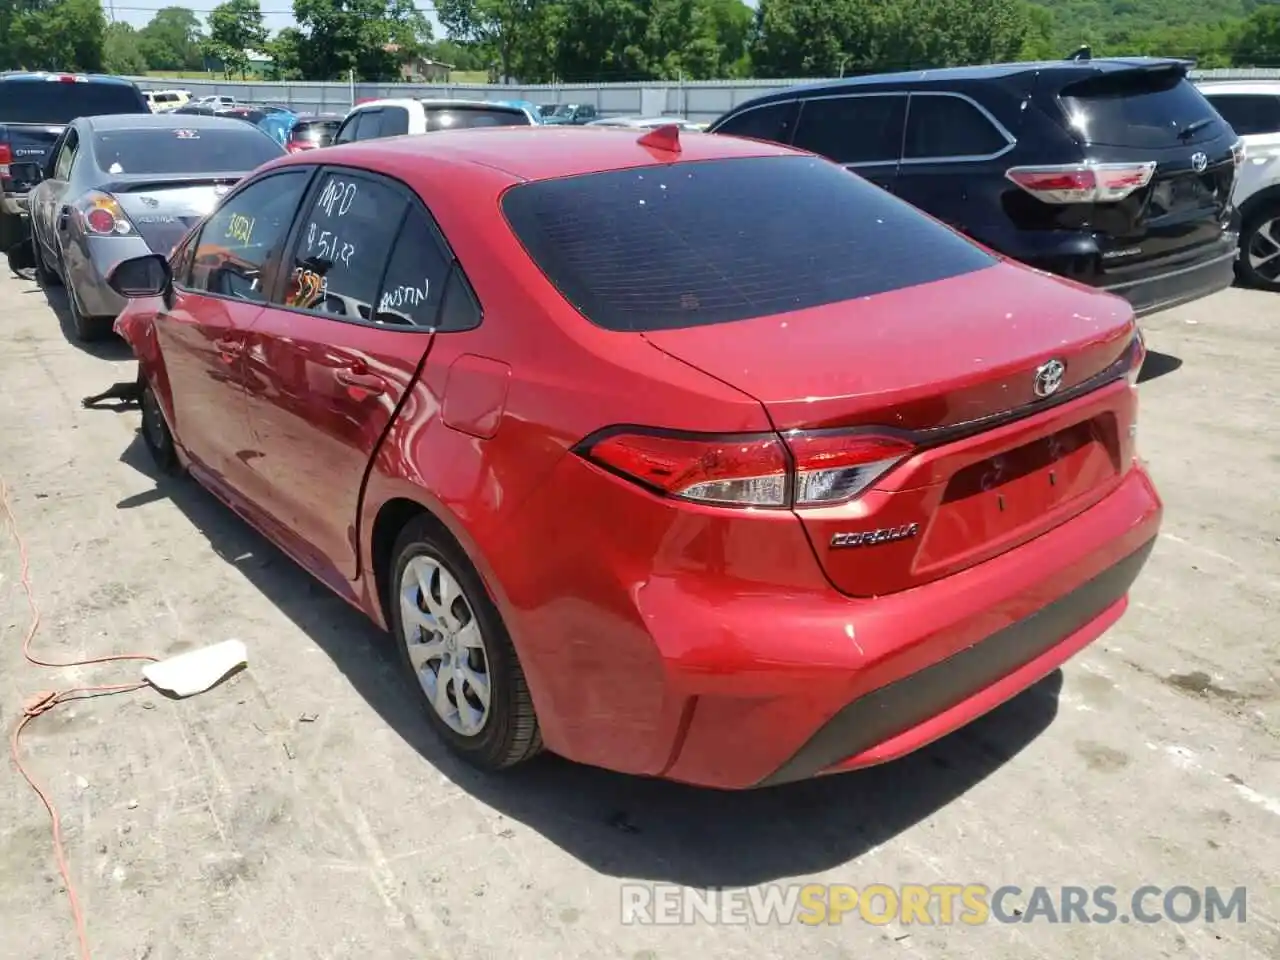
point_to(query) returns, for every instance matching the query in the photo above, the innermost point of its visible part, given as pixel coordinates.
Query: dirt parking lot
(301, 811)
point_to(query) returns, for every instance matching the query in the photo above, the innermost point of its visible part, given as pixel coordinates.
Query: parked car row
(873, 437)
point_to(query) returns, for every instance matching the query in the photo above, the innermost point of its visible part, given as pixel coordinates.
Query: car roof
(435, 102)
(162, 121)
(53, 75)
(946, 75)
(535, 152)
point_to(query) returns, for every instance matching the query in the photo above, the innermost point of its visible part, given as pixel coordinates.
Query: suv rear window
(52, 101)
(454, 117)
(1140, 108)
(659, 248)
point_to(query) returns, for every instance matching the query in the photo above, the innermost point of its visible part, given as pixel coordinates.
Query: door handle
(356, 377)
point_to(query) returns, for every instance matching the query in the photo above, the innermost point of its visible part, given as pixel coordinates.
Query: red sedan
(682, 455)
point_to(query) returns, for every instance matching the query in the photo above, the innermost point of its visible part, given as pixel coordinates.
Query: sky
(276, 13)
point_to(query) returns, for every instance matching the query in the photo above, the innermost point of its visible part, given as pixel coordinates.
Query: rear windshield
(52, 101)
(1140, 109)
(315, 129)
(454, 118)
(172, 151)
(706, 242)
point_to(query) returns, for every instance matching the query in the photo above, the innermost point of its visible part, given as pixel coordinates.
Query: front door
(330, 363)
(218, 296)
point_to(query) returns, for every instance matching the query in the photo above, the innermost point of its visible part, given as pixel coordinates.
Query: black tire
(1256, 239)
(44, 276)
(509, 733)
(156, 435)
(87, 329)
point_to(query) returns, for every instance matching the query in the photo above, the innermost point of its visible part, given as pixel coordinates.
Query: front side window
(343, 246)
(66, 156)
(240, 246)
(853, 129)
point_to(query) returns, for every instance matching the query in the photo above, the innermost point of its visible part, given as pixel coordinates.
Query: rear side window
(675, 246)
(1140, 108)
(947, 127)
(369, 125)
(52, 101)
(1248, 113)
(454, 118)
(395, 122)
(861, 129)
(773, 122)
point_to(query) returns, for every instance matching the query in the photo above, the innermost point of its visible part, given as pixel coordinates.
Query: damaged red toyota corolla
(696, 458)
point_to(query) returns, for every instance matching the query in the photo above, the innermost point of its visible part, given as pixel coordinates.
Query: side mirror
(25, 173)
(139, 277)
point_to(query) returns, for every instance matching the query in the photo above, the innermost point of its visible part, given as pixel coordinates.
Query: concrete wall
(698, 101)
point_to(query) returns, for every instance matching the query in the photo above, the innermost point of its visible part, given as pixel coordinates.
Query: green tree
(371, 37)
(235, 27)
(173, 40)
(1256, 42)
(504, 28)
(63, 35)
(122, 51)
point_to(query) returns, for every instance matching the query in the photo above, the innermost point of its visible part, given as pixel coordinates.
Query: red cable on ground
(46, 701)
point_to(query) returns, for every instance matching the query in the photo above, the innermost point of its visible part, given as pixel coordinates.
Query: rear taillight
(1137, 356)
(807, 469)
(1083, 182)
(298, 146)
(6, 158)
(1238, 153)
(103, 216)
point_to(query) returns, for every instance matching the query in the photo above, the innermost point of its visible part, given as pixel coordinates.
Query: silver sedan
(123, 186)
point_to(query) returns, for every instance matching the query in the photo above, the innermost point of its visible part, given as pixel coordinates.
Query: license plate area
(1022, 492)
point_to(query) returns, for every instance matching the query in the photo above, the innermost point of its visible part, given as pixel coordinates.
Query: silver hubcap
(445, 645)
(1264, 251)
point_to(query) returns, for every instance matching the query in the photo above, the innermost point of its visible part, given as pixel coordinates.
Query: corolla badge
(1048, 378)
(866, 538)
(1199, 162)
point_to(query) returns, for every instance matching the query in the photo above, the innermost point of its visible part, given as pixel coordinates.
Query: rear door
(952, 161)
(863, 131)
(1154, 115)
(330, 362)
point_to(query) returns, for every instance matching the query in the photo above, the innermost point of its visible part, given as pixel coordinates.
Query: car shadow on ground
(619, 825)
(1157, 364)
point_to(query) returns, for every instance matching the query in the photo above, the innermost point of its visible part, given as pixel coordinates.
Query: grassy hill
(1114, 26)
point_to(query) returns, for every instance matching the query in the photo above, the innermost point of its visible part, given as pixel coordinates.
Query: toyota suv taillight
(1083, 182)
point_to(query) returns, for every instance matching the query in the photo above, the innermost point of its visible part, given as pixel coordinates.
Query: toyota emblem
(1049, 378)
(1199, 162)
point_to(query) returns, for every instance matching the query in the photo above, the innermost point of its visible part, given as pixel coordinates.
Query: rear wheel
(87, 328)
(45, 276)
(1259, 263)
(457, 652)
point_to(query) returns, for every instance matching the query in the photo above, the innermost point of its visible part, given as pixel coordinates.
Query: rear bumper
(1180, 285)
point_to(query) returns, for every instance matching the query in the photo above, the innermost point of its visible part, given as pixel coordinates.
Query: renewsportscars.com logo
(937, 904)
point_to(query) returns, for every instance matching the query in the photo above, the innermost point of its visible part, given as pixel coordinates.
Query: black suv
(1114, 172)
(34, 110)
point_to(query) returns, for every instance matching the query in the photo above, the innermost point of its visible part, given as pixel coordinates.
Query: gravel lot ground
(225, 826)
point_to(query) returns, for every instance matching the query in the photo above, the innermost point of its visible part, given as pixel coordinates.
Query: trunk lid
(952, 364)
(165, 209)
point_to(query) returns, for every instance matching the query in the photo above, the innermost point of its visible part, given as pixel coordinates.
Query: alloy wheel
(445, 644)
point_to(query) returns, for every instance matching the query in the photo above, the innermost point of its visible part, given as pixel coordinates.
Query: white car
(1253, 109)
(395, 118)
(649, 123)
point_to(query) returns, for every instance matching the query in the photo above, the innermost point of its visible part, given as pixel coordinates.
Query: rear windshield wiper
(1191, 129)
